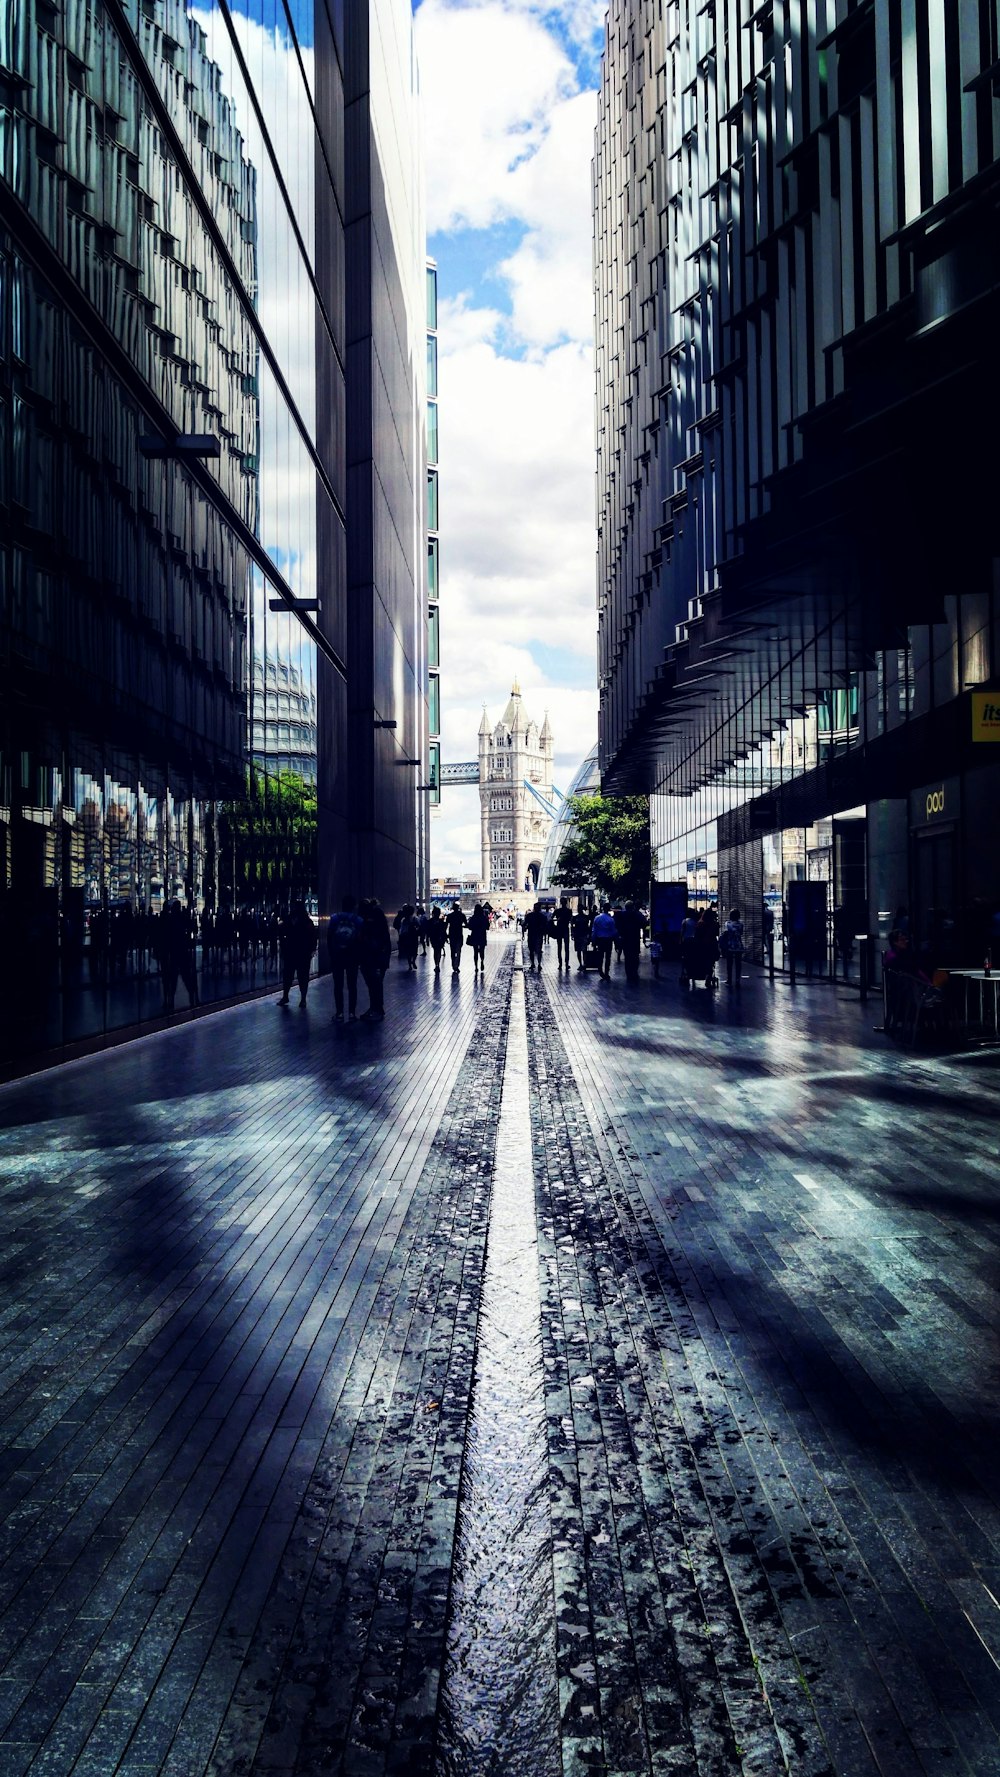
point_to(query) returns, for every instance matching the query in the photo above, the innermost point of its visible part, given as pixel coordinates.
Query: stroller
(699, 955)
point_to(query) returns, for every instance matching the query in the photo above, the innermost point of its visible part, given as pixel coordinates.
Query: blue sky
(509, 110)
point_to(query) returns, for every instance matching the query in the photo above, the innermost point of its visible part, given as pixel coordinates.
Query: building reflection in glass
(160, 184)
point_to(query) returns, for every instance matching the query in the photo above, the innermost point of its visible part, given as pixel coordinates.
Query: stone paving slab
(239, 1300)
(797, 1238)
(238, 1305)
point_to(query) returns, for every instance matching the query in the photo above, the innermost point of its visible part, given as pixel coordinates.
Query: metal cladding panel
(764, 397)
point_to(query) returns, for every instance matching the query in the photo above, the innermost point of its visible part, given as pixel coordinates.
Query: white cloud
(489, 78)
(549, 274)
(517, 497)
(508, 141)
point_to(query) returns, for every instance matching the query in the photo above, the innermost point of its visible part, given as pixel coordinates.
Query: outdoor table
(983, 982)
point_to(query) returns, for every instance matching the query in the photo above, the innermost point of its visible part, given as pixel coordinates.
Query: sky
(509, 107)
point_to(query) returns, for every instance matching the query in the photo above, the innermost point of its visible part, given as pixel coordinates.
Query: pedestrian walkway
(252, 1312)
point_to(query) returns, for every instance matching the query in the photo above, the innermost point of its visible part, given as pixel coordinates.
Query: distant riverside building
(182, 406)
(797, 308)
(514, 754)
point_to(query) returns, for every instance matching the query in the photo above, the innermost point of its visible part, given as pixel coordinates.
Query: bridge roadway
(241, 1282)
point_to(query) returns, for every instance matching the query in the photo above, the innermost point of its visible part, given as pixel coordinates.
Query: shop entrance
(935, 885)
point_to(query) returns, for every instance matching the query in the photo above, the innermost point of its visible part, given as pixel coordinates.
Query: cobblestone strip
(354, 1627)
(672, 1653)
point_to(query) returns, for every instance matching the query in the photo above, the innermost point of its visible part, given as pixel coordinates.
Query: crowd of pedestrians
(359, 944)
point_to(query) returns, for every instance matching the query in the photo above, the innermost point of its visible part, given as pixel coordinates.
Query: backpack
(342, 931)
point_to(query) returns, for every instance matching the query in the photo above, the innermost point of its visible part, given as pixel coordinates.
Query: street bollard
(861, 939)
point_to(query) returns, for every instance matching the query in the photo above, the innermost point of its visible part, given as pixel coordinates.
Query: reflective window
(432, 568)
(432, 499)
(432, 296)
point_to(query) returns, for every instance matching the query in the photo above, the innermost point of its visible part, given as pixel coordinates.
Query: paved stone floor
(240, 1287)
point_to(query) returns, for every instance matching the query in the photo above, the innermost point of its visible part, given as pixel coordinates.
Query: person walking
(581, 937)
(374, 954)
(437, 936)
(342, 948)
(602, 934)
(299, 942)
(456, 923)
(409, 937)
(479, 926)
(562, 925)
(731, 946)
(629, 928)
(535, 927)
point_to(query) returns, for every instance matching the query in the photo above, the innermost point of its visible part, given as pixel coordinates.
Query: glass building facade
(173, 487)
(796, 298)
(433, 547)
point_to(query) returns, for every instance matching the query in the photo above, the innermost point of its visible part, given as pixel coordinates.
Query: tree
(267, 839)
(608, 846)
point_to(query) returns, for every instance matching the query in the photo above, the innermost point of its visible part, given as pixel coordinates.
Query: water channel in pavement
(499, 1699)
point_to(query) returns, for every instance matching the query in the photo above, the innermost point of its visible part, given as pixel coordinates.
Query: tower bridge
(518, 801)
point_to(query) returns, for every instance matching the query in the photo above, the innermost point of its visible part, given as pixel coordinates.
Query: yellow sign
(986, 715)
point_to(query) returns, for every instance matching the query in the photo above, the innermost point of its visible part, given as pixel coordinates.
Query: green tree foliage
(609, 846)
(267, 838)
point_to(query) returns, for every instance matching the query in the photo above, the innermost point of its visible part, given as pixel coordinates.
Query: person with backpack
(731, 946)
(342, 948)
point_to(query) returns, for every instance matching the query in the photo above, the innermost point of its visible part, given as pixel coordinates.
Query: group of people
(359, 944)
(420, 932)
(703, 941)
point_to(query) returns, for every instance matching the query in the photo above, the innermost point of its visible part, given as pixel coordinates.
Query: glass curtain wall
(167, 496)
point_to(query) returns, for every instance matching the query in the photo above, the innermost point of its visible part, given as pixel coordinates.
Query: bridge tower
(513, 823)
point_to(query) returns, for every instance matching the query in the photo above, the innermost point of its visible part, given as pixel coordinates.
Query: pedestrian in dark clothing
(437, 936)
(629, 927)
(342, 945)
(581, 937)
(456, 923)
(535, 928)
(617, 940)
(731, 946)
(177, 955)
(374, 953)
(479, 926)
(409, 937)
(562, 923)
(299, 940)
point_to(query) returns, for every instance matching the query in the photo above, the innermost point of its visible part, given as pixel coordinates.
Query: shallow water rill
(499, 1702)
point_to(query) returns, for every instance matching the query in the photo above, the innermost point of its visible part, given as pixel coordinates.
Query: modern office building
(174, 339)
(379, 777)
(433, 548)
(798, 300)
